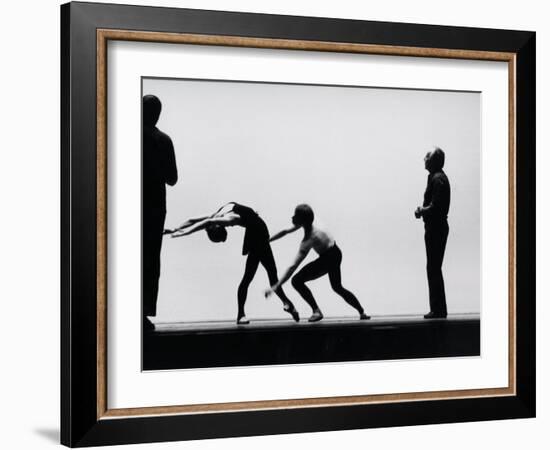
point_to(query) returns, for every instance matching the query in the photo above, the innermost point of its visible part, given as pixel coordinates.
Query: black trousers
(435, 237)
(328, 263)
(153, 226)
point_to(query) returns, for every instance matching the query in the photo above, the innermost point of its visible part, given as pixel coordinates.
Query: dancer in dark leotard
(256, 245)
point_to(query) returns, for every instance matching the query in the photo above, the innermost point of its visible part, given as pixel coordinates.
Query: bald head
(435, 160)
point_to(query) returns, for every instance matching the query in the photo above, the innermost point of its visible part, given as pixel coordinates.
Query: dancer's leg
(268, 261)
(335, 277)
(251, 266)
(311, 271)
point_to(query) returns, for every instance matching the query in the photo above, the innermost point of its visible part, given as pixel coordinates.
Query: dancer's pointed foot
(363, 316)
(289, 308)
(316, 316)
(242, 320)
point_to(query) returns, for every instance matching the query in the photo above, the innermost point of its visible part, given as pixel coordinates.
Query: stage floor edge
(269, 342)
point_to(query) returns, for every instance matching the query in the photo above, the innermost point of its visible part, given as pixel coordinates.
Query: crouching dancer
(328, 262)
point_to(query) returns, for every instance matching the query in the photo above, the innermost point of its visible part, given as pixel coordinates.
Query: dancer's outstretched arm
(221, 207)
(302, 253)
(185, 224)
(190, 222)
(194, 220)
(283, 233)
(226, 221)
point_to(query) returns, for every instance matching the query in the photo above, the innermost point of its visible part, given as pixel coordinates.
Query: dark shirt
(159, 168)
(436, 198)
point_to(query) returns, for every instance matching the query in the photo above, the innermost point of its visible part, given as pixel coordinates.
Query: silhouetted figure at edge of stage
(434, 212)
(158, 170)
(328, 262)
(255, 245)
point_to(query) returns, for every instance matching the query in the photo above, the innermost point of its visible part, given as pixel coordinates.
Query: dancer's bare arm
(194, 220)
(305, 247)
(227, 221)
(185, 224)
(191, 221)
(283, 233)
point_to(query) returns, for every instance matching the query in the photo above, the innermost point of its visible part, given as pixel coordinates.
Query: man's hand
(418, 212)
(269, 292)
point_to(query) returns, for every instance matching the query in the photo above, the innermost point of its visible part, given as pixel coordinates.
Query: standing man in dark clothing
(158, 170)
(434, 212)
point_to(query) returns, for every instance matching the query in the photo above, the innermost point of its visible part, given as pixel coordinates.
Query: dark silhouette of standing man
(158, 170)
(434, 212)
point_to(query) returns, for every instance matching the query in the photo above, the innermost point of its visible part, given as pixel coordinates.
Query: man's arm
(302, 253)
(169, 163)
(438, 186)
(283, 233)
(437, 198)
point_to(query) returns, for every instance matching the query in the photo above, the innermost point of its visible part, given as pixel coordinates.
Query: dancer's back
(319, 240)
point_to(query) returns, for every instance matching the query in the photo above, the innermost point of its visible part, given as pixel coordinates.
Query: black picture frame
(82, 424)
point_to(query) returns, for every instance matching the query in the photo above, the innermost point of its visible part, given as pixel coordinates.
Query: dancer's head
(434, 160)
(151, 110)
(303, 216)
(216, 233)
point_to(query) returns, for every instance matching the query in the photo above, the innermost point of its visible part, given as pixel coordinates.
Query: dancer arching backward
(256, 246)
(328, 262)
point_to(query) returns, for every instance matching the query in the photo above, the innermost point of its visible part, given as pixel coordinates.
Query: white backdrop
(30, 243)
(355, 154)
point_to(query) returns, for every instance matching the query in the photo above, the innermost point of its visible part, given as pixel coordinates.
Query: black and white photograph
(303, 223)
(277, 222)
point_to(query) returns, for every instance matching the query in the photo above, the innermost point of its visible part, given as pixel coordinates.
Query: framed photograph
(278, 224)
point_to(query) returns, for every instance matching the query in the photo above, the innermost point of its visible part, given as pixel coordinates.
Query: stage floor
(268, 342)
(258, 325)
